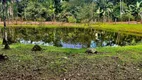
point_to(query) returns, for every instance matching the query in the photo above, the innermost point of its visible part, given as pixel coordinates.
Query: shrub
(71, 19)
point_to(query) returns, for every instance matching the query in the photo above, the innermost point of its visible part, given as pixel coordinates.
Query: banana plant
(141, 16)
(105, 8)
(128, 12)
(136, 9)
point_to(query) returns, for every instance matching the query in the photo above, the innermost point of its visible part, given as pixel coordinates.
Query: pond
(71, 37)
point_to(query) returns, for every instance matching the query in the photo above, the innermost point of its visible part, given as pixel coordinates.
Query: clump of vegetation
(3, 57)
(36, 48)
(71, 19)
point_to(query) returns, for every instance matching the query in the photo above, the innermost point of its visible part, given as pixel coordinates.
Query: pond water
(71, 37)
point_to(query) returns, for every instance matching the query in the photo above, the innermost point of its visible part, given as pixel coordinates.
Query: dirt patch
(55, 66)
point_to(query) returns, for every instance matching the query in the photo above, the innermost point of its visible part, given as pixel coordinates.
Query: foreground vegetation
(55, 63)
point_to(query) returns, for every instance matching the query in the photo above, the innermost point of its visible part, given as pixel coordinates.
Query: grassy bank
(55, 63)
(125, 28)
(126, 53)
(135, 29)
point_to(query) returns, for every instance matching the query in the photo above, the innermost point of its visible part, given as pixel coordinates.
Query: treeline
(73, 10)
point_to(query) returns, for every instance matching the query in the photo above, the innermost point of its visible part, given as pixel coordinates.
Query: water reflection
(71, 37)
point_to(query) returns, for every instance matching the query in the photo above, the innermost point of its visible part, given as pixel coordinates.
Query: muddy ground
(69, 67)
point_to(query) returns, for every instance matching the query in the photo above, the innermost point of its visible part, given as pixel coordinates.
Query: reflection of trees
(11, 35)
(72, 35)
(78, 35)
(124, 39)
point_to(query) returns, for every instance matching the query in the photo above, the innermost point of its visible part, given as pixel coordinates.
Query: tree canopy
(74, 10)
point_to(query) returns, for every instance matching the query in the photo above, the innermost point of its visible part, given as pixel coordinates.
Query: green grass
(126, 53)
(125, 28)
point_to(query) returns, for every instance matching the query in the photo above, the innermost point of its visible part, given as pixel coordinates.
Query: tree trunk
(108, 18)
(5, 40)
(104, 19)
(141, 20)
(115, 20)
(129, 21)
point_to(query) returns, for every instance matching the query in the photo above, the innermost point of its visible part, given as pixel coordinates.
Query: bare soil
(56, 23)
(56, 66)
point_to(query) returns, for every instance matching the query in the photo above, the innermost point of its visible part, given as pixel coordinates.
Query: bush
(71, 19)
(125, 17)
